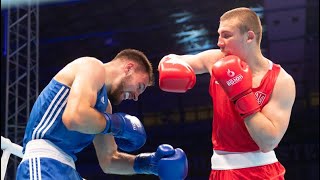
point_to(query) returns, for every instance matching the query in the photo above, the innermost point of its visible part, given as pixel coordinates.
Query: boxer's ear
(251, 36)
(128, 68)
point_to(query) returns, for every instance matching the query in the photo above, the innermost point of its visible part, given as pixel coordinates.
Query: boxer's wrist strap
(142, 164)
(108, 124)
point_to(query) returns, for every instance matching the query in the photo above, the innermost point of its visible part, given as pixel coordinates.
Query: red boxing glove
(175, 75)
(235, 78)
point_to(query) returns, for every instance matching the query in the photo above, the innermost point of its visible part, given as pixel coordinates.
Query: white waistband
(44, 148)
(241, 160)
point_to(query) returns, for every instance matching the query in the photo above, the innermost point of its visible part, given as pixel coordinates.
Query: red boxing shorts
(274, 171)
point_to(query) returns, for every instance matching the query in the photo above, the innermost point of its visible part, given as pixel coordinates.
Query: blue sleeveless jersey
(45, 121)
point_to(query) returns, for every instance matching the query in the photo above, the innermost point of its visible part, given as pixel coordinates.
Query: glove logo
(230, 73)
(167, 58)
(175, 61)
(234, 79)
(135, 122)
(102, 100)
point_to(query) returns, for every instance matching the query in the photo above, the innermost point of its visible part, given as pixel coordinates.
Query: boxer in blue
(75, 109)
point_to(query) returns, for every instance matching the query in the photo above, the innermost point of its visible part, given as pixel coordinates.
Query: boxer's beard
(115, 96)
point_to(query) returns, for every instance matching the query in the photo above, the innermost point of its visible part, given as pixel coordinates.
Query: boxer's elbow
(266, 149)
(70, 120)
(106, 163)
(267, 146)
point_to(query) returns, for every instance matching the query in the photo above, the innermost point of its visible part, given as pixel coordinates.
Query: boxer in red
(252, 98)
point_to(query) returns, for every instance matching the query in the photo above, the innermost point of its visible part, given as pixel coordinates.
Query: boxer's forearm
(263, 131)
(119, 163)
(110, 159)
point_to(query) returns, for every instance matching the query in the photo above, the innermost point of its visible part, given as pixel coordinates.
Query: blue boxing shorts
(43, 160)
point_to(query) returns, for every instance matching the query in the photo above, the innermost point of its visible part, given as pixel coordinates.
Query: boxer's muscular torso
(229, 132)
(45, 120)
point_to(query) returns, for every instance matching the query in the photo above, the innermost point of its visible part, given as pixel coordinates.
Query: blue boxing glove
(127, 130)
(173, 167)
(166, 162)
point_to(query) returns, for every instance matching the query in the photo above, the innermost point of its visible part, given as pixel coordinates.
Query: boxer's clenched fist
(175, 75)
(166, 162)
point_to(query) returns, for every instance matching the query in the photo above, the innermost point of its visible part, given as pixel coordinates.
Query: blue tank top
(45, 121)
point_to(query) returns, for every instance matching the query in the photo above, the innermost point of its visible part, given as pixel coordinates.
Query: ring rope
(8, 148)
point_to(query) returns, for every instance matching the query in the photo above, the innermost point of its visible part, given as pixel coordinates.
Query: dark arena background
(37, 40)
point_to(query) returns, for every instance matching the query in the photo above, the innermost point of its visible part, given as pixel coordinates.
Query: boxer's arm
(79, 114)
(166, 162)
(178, 73)
(110, 160)
(269, 126)
(201, 62)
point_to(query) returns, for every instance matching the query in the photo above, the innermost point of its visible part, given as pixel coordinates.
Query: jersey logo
(260, 96)
(102, 100)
